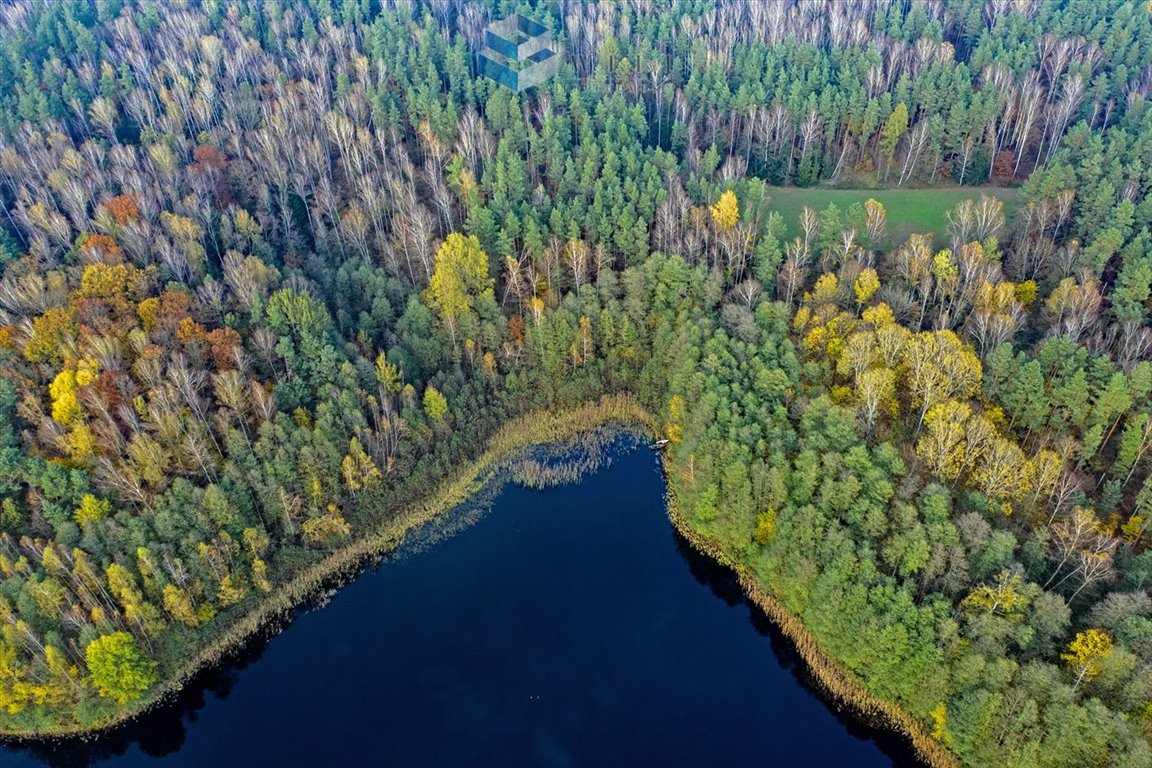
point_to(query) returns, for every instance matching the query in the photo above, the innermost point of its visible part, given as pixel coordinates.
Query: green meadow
(909, 210)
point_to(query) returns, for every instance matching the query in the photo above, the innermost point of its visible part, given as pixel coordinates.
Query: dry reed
(514, 437)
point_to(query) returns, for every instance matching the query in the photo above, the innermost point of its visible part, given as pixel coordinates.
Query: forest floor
(909, 210)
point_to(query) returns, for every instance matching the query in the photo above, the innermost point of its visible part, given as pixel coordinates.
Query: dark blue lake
(567, 627)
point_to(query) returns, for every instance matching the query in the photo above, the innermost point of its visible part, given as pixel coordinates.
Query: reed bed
(582, 426)
(554, 464)
(269, 615)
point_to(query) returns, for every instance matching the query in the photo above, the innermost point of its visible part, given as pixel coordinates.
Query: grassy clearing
(909, 210)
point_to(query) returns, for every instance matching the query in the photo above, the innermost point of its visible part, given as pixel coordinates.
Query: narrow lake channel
(566, 627)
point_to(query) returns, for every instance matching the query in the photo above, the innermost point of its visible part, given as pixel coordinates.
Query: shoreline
(533, 429)
(838, 684)
(537, 428)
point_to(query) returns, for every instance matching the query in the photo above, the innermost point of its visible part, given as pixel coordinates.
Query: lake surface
(566, 627)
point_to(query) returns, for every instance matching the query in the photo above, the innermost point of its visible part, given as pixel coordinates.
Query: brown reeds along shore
(514, 437)
(511, 441)
(839, 684)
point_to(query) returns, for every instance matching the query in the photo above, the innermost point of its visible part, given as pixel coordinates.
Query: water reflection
(725, 586)
(159, 732)
(637, 663)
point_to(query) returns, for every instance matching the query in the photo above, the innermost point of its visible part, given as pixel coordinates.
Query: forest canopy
(272, 270)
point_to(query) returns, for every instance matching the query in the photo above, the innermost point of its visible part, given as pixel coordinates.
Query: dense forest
(272, 270)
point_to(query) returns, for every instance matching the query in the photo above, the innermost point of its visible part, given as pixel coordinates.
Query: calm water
(568, 627)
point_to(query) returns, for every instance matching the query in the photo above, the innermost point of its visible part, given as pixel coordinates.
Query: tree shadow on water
(160, 731)
(723, 583)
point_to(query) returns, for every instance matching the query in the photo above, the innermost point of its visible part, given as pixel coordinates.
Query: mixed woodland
(272, 270)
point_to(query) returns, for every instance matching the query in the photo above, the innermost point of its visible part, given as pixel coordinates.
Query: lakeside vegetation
(272, 272)
(835, 681)
(553, 428)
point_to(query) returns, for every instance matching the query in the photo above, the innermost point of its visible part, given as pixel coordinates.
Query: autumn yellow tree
(674, 429)
(891, 340)
(996, 315)
(459, 278)
(941, 444)
(867, 283)
(1085, 654)
(260, 575)
(50, 331)
(388, 375)
(858, 355)
(938, 366)
(1004, 597)
(358, 468)
(92, 509)
(119, 669)
(14, 695)
(327, 527)
(435, 404)
(109, 282)
(78, 442)
(875, 223)
(765, 527)
(726, 211)
(940, 730)
(1004, 473)
(179, 605)
(137, 610)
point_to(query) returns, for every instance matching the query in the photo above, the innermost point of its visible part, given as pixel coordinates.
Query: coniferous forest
(274, 270)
